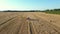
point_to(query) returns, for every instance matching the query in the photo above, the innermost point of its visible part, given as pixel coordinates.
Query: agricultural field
(29, 23)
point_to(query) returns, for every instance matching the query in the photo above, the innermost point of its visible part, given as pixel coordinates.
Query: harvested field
(29, 23)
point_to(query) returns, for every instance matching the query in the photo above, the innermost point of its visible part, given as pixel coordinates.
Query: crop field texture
(29, 23)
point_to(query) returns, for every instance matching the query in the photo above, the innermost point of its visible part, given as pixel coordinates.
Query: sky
(29, 4)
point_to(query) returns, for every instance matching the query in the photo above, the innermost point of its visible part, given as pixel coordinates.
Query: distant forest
(52, 10)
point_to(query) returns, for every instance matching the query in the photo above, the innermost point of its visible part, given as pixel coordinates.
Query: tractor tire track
(5, 24)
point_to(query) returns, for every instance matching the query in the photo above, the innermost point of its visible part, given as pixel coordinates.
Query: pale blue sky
(29, 4)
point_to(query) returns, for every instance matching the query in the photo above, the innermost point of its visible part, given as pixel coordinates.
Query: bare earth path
(28, 23)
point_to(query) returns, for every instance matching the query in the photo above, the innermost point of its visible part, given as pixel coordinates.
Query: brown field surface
(29, 23)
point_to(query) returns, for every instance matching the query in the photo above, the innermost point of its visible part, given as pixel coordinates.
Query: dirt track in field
(29, 23)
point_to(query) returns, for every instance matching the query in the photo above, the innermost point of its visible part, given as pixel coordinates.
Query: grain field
(29, 23)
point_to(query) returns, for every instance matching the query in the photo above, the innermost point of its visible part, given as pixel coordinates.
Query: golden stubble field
(29, 23)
